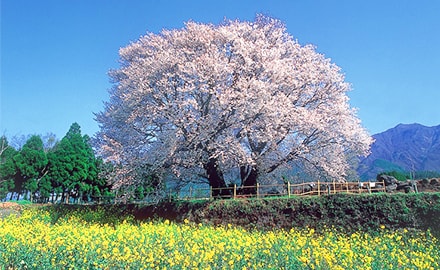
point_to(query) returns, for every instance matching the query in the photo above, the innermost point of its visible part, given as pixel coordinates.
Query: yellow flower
(74, 244)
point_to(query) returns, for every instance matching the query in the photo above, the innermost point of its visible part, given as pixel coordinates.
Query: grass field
(34, 240)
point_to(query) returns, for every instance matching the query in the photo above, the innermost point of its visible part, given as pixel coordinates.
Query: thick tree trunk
(249, 175)
(215, 178)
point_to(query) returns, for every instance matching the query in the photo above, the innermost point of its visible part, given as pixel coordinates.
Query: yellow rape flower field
(31, 241)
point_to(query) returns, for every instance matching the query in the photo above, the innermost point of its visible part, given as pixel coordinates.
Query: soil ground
(8, 208)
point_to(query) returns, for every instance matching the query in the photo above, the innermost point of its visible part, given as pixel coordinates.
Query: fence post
(414, 183)
(319, 188)
(258, 191)
(302, 193)
(369, 187)
(288, 189)
(334, 187)
(235, 191)
(210, 192)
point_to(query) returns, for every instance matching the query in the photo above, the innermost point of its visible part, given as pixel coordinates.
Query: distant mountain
(406, 147)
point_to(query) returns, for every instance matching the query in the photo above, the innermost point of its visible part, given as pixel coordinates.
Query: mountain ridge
(405, 147)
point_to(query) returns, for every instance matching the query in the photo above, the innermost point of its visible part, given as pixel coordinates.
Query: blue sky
(55, 55)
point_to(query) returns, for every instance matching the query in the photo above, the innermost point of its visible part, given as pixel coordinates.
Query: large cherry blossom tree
(205, 99)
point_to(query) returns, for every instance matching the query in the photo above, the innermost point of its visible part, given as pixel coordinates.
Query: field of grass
(34, 240)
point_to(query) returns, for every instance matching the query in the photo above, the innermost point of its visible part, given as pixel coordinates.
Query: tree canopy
(31, 162)
(73, 166)
(201, 101)
(8, 169)
(46, 169)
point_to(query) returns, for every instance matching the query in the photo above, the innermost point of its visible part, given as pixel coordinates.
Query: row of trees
(66, 170)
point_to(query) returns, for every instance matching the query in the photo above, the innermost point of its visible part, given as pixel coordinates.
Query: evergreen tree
(31, 163)
(96, 184)
(74, 170)
(8, 169)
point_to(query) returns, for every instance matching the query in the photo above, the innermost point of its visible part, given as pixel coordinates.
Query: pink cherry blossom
(206, 99)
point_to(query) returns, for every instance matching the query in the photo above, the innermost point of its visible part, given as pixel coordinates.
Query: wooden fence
(286, 190)
(258, 191)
